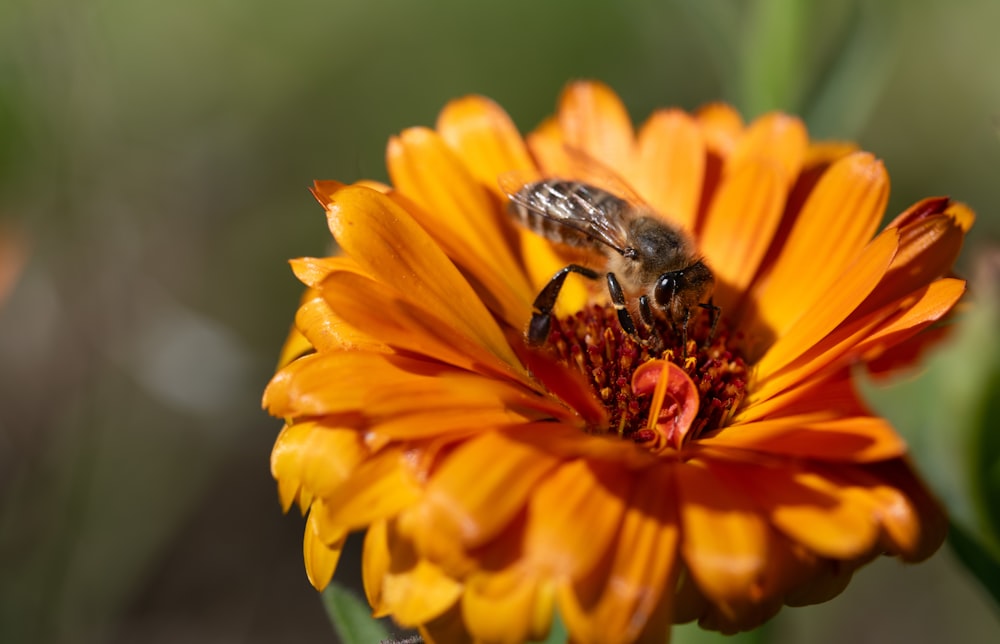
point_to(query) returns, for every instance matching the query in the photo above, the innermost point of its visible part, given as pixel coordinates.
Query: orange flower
(629, 485)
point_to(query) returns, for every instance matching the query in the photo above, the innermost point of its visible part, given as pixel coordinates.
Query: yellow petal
(724, 538)
(317, 457)
(320, 558)
(476, 491)
(934, 302)
(483, 136)
(594, 120)
(375, 562)
(776, 139)
(671, 166)
(833, 227)
(836, 304)
(379, 488)
(415, 591)
(454, 208)
(425, 331)
(573, 516)
(446, 628)
(928, 248)
(311, 271)
(740, 224)
(326, 331)
(509, 606)
(387, 243)
(830, 520)
(635, 583)
(721, 126)
(817, 436)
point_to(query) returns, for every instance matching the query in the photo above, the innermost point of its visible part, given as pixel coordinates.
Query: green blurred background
(154, 160)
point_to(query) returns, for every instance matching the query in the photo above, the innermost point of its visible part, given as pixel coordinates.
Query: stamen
(655, 391)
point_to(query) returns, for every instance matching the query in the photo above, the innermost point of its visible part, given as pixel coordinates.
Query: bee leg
(714, 313)
(618, 299)
(541, 317)
(684, 334)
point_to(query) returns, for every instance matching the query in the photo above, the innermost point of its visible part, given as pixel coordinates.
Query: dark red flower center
(593, 343)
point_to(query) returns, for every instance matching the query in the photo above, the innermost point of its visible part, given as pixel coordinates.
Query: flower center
(592, 342)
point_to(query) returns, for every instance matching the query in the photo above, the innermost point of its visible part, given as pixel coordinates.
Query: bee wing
(595, 213)
(587, 169)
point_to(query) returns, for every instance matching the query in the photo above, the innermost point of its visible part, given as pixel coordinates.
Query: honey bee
(644, 255)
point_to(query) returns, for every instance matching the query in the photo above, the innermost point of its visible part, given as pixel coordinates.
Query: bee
(644, 255)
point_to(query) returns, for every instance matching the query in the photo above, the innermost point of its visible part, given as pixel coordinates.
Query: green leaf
(855, 78)
(774, 60)
(983, 563)
(351, 617)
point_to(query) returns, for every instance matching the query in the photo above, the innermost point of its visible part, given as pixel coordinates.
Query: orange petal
(320, 559)
(833, 227)
(296, 345)
(375, 562)
(548, 147)
(482, 135)
(456, 210)
(385, 240)
(474, 493)
(314, 456)
(830, 520)
(927, 250)
(776, 139)
(671, 166)
(413, 590)
(573, 517)
(311, 271)
(635, 584)
(409, 327)
(509, 606)
(724, 538)
(831, 307)
(915, 537)
(934, 302)
(594, 120)
(325, 331)
(854, 439)
(740, 224)
(721, 126)
(377, 489)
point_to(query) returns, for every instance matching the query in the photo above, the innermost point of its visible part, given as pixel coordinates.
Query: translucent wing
(570, 212)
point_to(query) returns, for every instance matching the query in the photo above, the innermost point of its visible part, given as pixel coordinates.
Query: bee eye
(666, 287)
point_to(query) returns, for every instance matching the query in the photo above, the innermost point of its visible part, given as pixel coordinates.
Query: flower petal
(618, 600)
(740, 225)
(594, 120)
(725, 538)
(458, 211)
(320, 558)
(314, 456)
(670, 166)
(482, 134)
(507, 607)
(413, 590)
(387, 243)
(721, 126)
(378, 489)
(855, 439)
(410, 327)
(831, 520)
(839, 217)
(474, 493)
(573, 516)
(826, 312)
(776, 139)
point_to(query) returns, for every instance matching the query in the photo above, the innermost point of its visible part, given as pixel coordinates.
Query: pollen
(592, 342)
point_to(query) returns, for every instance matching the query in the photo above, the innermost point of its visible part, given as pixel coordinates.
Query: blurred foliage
(156, 158)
